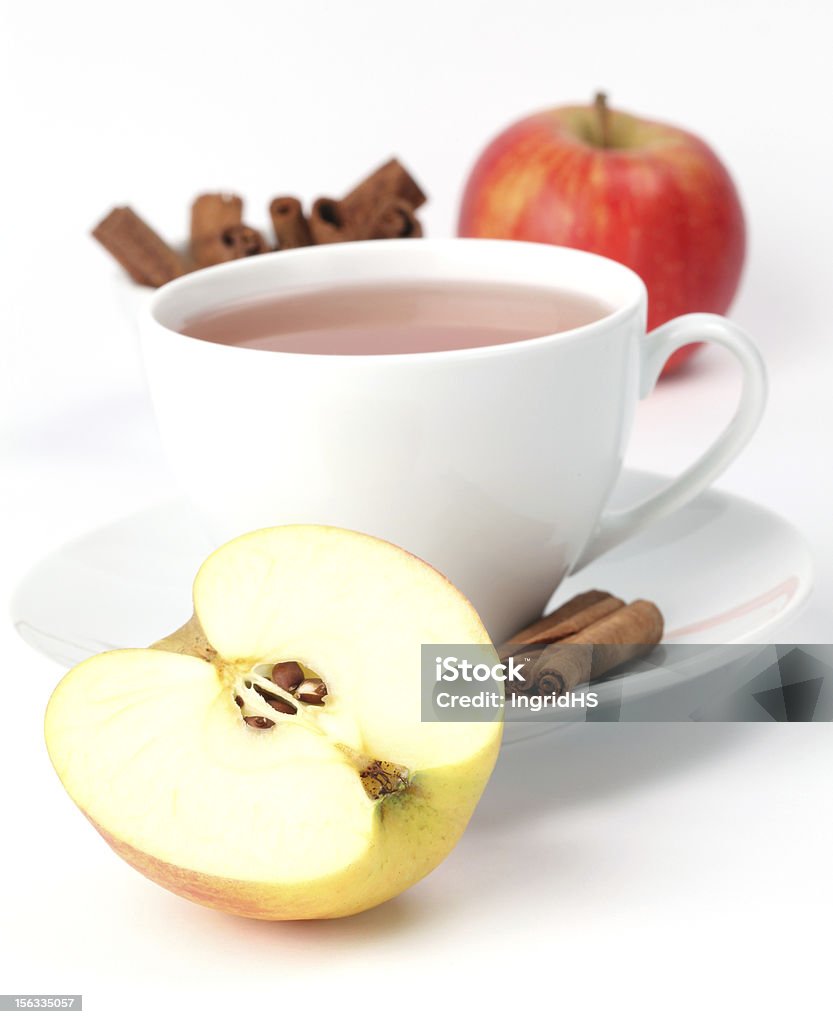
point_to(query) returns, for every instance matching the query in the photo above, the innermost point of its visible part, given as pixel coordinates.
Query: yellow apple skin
(400, 857)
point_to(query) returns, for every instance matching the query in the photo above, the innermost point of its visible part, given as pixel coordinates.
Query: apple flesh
(649, 195)
(289, 799)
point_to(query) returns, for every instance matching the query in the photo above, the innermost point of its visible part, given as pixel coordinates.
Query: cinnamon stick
(211, 215)
(291, 228)
(369, 210)
(578, 613)
(218, 233)
(604, 645)
(234, 243)
(144, 255)
(326, 224)
(394, 219)
(390, 181)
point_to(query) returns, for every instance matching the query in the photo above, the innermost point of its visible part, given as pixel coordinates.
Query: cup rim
(197, 278)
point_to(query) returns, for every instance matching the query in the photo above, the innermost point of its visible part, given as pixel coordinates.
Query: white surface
(621, 871)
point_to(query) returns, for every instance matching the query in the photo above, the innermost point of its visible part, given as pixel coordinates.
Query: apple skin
(407, 847)
(657, 199)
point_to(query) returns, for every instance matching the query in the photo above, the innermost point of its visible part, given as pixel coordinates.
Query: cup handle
(616, 526)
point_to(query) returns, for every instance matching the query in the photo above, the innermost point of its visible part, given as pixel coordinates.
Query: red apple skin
(660, 201)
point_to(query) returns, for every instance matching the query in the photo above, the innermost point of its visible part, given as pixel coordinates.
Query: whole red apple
(649, 195)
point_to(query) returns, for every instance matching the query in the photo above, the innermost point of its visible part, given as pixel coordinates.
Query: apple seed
(275, 702)
(311, 691)
(287, 675)
(283, 706)
(258, 721)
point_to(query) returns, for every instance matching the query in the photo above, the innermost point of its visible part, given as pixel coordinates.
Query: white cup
(493, 464)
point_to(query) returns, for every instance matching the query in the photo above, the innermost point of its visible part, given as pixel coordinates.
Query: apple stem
(603, 113)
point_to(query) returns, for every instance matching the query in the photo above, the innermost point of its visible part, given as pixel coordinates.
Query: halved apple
(268, 759)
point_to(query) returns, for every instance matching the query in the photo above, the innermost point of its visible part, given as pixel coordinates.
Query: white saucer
(723, 571)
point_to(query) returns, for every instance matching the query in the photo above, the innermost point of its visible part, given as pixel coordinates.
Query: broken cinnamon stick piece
(368, 211)
(144, 255)
(218, 233)
(578, 613)
(291, 228)
(233, 244)
(211, 215)
(390, 181)
(394, 219)
(326, 224)
(600, 647)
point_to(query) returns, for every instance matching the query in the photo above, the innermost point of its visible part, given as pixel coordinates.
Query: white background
(662, 871)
